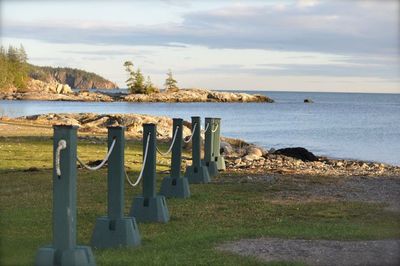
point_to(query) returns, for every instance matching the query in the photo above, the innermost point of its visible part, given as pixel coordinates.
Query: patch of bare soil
(365, 189)
(319, 252)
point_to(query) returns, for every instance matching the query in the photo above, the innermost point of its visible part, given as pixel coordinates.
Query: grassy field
(220, 211)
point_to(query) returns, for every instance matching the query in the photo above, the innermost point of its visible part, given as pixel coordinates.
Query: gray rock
(298, 153)
(251, 157)
(226, 148)
(254, 151)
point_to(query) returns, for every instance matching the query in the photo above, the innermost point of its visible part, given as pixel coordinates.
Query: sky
(307, 45)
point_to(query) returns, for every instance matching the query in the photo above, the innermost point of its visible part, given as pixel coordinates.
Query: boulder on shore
(298, 153)
(48, 87)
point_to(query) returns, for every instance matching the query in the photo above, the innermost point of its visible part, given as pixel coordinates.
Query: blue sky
(348, 46)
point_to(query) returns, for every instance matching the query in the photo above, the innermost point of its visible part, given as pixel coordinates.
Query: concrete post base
(80, 255)
(212, 167)
(115, 233)
(220, 161)
(197, 175)
(150, 209)
(175, 187)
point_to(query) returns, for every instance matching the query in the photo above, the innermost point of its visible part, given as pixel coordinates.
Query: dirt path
(319, 252)
(366, 189)
(326, 252)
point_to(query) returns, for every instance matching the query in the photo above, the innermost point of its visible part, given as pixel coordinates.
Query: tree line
(138, 84)
(15, 73)
(14, 68)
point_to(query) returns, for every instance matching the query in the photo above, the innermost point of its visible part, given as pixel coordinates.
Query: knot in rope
(62, 144)
(172, 144)
(102, 163)
(143, 165)
(191, 136)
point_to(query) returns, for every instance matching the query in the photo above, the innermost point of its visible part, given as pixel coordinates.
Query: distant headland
(24, 81)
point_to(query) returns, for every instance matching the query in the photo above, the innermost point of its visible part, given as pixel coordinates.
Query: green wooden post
(115, 230)
(209, 161)
(197, 173)
(218, 158)
(64, 250)
(149, 207)
(175, 185)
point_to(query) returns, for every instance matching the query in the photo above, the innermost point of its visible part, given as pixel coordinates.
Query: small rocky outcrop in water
(183, 95)
(308, 101)
(197, 95)
(298, 153)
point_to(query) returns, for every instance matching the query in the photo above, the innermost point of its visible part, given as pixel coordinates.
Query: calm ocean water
(342, 125)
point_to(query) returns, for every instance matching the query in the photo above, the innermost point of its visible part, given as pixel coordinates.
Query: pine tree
(3, 68)
(13, 68)
(170, 83)
(12, 54)
(149, 86)
(130, 82)
(136, 82)
(139, 82)
(21, 54)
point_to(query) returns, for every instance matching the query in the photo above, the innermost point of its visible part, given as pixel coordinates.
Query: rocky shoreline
(55, 92)
(240, 156)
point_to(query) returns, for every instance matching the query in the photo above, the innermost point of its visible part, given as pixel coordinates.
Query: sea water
(340, 125)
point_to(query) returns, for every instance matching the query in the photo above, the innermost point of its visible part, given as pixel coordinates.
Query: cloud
(340, 69)
(340, 27)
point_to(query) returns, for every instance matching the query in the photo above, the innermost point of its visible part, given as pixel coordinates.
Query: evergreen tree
(3, 68)
(136, 82)
(12, 54)
(139, 82)
(21, 54)
(170, 83)
(13, 68)
(149, 86)
(130, 82)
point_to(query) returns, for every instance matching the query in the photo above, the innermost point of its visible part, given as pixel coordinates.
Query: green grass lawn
(216, 212)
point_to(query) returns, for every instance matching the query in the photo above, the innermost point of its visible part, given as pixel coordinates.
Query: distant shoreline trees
(14, 68)
(170, 83)
(136, 82)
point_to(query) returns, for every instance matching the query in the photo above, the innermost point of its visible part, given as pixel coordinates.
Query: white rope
(190, 139)
(172, 144)
(62, 144)
(144, 163)
(102, 163)
(207, 126)
(215, 130)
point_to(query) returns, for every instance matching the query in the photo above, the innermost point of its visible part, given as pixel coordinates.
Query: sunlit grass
(215, 213)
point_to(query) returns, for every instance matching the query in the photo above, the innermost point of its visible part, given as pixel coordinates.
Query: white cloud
(337, 39)
(307, 3)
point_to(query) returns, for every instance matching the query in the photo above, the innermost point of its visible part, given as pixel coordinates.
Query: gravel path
(319, 252)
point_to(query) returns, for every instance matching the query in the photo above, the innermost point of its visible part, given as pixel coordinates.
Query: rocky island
(54, 91)
(24, 81)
